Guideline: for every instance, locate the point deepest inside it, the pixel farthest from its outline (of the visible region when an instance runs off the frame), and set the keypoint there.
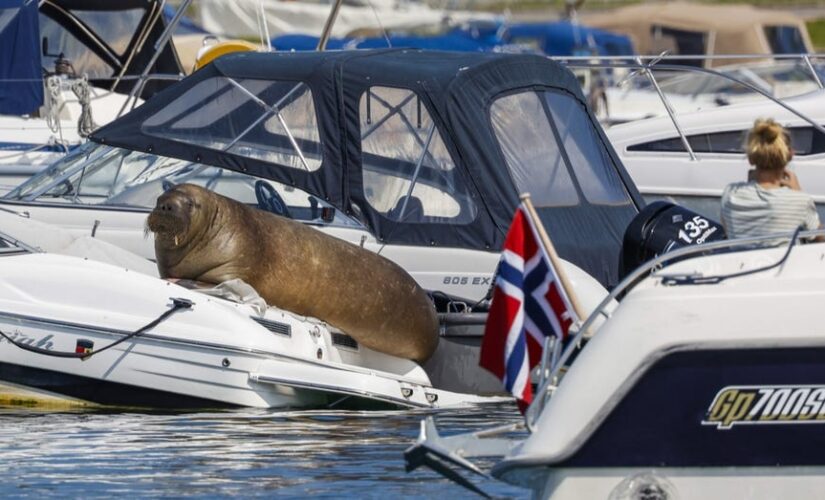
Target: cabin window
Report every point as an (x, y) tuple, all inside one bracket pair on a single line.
[(530, 149), (805, 140), (408, 173), (265, 120), (785, 40)]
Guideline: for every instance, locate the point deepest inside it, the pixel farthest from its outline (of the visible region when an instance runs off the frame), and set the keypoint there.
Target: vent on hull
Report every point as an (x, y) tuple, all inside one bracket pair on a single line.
[(274, 326), (344, 340)]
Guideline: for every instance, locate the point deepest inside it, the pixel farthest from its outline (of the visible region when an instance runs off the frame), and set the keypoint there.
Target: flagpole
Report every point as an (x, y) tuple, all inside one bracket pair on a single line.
[(554, 257)]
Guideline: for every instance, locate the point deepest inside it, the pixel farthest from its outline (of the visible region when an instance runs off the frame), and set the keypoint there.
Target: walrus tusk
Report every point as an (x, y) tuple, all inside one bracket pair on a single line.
[(296, 268)]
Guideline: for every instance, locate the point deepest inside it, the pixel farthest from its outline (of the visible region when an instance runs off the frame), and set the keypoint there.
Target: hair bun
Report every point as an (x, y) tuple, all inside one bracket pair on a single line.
[(767, 130)]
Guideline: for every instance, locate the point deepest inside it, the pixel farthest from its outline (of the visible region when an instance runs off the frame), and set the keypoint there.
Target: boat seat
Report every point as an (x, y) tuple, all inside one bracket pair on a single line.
[(413, 213)]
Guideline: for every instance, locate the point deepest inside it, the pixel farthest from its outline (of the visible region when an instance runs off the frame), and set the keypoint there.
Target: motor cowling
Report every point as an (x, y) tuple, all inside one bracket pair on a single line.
[(661, 227)]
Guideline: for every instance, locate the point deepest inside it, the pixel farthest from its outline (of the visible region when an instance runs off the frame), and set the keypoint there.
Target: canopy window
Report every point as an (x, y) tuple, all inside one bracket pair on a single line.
[(679, 42), (785, 40), (84, 61), (554, 152), (408, 173), (531, 151), (272, 121), (116, 31)]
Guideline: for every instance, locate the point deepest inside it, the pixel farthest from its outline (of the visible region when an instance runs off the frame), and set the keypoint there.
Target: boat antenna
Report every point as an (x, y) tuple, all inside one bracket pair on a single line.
[(327, 32), (263, 28), (380, 24)]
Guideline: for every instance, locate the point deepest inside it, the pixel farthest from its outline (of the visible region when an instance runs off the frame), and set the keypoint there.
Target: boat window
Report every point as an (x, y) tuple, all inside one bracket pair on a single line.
[(589, 159), (530, 150), (261, 119), (678, 42), (805, 140), (408, 173), (61, 41), (116, 29), (785, 40)]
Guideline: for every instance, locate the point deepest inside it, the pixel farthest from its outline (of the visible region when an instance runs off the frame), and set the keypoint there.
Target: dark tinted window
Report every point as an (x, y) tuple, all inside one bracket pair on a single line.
[(785, 40), (679, 42), (805, 142)]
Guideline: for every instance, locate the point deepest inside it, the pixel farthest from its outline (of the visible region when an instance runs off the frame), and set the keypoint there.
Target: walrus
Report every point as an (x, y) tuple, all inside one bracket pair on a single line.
[(203, 236)]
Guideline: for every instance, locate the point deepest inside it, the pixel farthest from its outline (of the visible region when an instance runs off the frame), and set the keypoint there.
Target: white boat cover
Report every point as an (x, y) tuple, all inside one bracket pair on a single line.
[(53, 239), (239, 18)]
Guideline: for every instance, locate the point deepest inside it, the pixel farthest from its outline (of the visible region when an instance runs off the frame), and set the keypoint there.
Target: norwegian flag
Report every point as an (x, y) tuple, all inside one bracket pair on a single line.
[(529, 304)]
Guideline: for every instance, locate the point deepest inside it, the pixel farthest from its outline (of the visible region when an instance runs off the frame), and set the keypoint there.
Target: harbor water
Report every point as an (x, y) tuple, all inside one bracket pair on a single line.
[(244, 453)]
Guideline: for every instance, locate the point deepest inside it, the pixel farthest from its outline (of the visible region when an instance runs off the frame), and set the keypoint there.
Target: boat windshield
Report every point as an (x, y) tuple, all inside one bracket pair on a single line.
[(780, 78), (95, 174)]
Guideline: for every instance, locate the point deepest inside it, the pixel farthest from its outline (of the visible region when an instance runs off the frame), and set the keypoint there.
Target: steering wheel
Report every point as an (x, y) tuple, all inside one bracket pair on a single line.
[(270, 200)]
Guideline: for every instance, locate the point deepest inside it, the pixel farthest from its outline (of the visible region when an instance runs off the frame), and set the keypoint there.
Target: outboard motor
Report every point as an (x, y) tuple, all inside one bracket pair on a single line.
[(661, 227)]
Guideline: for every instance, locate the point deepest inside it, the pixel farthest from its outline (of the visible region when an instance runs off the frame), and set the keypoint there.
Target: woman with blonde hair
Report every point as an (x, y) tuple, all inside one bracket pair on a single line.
[(771, 201)]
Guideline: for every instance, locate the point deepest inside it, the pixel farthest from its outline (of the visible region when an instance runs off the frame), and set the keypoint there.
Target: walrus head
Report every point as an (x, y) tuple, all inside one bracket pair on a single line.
[(175, 214)]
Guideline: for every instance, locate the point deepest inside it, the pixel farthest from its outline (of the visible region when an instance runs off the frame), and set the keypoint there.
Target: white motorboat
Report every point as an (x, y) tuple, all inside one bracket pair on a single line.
[(655, 154), (688, 89), (243, 18), (69, 67), (201, 351), (704, 381)]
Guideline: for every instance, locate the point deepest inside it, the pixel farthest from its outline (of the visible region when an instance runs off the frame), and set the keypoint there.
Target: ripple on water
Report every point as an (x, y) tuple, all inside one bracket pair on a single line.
[(244, 452)]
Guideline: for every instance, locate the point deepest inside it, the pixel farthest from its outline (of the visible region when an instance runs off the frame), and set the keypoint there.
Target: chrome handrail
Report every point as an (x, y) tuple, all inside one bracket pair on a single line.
[(655, 63), (549, 383), (691, 57)]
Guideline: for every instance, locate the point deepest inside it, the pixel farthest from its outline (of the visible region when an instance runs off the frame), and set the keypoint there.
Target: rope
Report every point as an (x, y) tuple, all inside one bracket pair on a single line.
[(177, 305), (53, 103), (85, 123)]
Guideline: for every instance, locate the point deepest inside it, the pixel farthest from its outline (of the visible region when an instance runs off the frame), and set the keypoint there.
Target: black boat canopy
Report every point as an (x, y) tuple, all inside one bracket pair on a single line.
[(424, 147), (109, 41)]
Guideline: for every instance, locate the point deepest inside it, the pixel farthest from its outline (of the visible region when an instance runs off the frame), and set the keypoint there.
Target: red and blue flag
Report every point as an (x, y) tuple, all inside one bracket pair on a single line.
[(529, 304)]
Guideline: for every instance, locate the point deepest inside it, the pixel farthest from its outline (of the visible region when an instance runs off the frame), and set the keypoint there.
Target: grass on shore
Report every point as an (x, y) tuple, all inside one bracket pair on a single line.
[(816, 28)]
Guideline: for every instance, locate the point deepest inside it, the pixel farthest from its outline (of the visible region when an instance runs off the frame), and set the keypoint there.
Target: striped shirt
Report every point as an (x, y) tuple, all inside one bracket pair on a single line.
[(749, 210)]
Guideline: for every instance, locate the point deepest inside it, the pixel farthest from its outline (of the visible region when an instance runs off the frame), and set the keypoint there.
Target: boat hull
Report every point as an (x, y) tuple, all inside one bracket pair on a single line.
[(768, 483)]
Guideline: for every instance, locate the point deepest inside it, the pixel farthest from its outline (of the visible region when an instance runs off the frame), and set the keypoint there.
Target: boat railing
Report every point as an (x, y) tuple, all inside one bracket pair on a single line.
[(554, 362), (647, 65)]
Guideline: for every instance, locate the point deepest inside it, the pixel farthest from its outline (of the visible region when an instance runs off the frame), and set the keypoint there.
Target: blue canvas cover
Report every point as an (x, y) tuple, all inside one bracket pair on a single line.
[(454, 40), (186, 26), (564, 38), (560, 38), (21, 87)]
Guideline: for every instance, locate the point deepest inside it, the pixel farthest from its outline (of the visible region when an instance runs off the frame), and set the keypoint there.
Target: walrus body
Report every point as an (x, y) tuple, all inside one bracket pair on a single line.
[(203, 236)]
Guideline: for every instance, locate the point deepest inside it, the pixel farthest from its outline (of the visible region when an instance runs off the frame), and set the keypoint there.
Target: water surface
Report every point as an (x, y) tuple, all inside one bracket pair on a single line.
[(331, 454)]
